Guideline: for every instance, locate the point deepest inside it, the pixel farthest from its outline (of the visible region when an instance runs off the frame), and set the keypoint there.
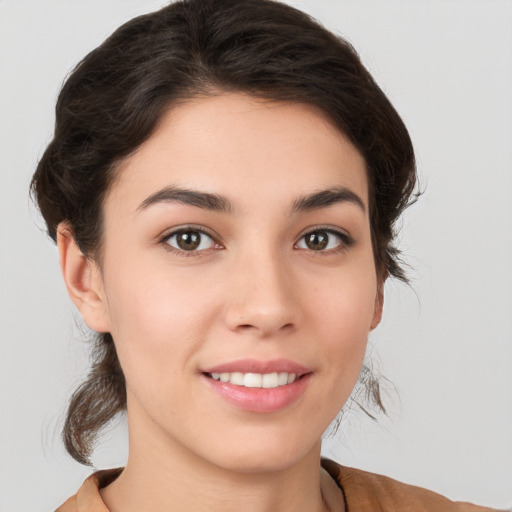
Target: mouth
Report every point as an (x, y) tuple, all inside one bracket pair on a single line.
[(255, 380), (259, 386)]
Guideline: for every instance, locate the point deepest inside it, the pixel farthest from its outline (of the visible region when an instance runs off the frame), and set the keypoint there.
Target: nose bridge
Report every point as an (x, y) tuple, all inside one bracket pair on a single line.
[(262, 297)]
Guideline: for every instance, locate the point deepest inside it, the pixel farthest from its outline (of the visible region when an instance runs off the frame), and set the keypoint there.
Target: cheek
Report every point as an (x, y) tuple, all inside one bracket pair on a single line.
[(157, 321), (344, 315), (152, 299), (344, 305)]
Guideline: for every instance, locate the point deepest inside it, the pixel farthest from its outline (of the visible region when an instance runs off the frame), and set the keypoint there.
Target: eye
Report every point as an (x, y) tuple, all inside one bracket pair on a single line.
[(323, 240), (190, 240)]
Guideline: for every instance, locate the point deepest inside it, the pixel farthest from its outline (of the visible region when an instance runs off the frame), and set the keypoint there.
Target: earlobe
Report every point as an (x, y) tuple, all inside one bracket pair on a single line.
[(83, 280), (378, 307)]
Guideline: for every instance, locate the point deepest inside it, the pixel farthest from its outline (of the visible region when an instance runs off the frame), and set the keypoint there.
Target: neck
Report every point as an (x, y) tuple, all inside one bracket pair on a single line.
[(162, 475)]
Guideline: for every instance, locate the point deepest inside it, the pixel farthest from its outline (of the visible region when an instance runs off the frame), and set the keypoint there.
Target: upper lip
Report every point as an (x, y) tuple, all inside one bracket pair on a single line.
[(259, 366)]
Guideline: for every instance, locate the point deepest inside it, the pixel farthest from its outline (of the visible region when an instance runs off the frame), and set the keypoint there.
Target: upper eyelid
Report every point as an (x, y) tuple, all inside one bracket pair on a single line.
[(165, 235), (329, 228)]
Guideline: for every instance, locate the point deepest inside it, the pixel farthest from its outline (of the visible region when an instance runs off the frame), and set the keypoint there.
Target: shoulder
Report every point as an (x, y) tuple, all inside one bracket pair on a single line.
[(88, 498), (370, 492), (69, 506)]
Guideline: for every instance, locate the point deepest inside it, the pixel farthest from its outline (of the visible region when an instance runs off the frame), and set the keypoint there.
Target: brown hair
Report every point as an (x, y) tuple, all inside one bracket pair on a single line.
[(114, 98)]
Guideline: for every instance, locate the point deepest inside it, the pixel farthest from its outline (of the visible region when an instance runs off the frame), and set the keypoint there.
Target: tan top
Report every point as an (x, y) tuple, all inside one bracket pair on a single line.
[(364, 492)]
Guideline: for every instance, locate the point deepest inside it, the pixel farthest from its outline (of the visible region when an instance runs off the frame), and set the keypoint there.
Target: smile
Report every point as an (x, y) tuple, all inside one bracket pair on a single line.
[(255, 380), (259, 386)]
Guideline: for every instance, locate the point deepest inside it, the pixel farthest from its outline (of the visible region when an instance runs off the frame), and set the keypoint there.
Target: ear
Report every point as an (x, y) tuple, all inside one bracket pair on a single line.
[(83, 280), (378, 307)]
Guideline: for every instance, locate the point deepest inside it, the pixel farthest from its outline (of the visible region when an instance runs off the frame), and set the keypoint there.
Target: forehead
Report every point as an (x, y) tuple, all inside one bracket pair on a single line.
[(244, 148)]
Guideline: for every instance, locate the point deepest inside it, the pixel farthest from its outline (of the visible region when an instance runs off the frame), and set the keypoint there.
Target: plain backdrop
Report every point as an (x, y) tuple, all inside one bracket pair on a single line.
[(445, 343)]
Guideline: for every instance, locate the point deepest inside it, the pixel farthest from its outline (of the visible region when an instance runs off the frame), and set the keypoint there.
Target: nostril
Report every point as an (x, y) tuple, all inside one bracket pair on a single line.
[(249, 327), (263, 316)]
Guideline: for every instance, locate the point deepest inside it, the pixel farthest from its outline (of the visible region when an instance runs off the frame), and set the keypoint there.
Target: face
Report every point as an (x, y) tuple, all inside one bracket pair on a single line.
[(237, 279)]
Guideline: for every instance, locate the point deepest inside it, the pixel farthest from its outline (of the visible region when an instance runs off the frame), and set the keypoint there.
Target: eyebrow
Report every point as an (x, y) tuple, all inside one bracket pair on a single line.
[(325, 198), (218, 203), (205, 200)]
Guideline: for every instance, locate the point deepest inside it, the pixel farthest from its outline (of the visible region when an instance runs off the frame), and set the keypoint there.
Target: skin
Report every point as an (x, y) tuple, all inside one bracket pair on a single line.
[(255, 289)]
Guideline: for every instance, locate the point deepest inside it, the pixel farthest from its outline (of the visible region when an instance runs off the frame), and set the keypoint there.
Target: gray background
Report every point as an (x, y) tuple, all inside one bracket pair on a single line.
[(446, 344)]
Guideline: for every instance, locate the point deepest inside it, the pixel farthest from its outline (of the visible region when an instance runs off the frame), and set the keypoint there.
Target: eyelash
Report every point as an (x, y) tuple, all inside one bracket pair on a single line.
[(345, 240), (164, 240)]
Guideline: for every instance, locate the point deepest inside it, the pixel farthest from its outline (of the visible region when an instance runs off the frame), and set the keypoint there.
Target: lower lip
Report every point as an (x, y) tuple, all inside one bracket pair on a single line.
[(263, 400)]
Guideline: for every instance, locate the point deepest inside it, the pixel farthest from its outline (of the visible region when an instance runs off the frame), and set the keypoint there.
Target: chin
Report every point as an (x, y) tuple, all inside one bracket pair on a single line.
[(271, 454)]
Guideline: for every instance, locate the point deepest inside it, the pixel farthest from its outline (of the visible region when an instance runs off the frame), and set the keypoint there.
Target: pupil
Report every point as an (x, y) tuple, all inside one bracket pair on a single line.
[(317, 241), (188, 240)]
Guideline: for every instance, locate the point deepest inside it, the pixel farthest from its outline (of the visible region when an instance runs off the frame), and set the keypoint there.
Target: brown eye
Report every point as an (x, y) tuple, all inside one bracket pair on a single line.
[(190, 240), (323, 240), (317, 241)]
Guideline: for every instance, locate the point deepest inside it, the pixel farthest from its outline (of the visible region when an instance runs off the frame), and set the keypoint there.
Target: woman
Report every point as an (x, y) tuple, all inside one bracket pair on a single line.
[(222, 186)]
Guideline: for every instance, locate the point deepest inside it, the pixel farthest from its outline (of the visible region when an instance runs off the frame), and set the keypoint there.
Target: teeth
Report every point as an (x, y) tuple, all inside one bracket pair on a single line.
[(237, 378), (252, 380), (282, 378), (256, 380), (269, 380)]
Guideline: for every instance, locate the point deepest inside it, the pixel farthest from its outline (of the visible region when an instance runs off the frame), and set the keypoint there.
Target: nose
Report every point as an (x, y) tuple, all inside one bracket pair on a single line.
[(263, 296)]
